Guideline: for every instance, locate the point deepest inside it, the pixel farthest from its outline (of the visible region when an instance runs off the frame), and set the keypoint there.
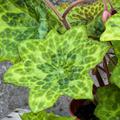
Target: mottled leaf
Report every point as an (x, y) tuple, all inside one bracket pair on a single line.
[(17, 25), (32, 7), (95, 28), (38, 10), (108, 107), (57, 66), (44, 116), (35, 116), (86, 12)]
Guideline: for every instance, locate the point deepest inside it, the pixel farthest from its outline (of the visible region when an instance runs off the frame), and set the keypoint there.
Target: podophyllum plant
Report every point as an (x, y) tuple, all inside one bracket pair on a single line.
[(53, 47)]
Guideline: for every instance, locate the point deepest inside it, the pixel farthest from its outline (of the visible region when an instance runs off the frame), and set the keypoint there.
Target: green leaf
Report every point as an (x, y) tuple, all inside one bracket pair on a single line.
[(86, 12), (35, 116), (115, 78), (38, 10), (112, 63), (58, 65), (81, 13), (116, 46), (16, 26), (95, 28), (112, 31), (57, 117), (32, 7), (116, 4), (44, 116), (108, 107), (29, 6)]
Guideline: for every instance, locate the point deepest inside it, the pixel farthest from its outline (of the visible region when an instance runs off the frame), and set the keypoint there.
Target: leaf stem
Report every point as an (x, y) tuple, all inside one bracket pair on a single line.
[(50, 5), (99, 78), (61, 17), (110, 4), (106, 67), (63, 20), (71, 7), (101, 68), (113, 62), (105, 5)]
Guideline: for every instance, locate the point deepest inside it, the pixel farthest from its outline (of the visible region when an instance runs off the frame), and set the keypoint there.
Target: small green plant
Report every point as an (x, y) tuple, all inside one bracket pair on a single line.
[(53, 48), (108, 103)]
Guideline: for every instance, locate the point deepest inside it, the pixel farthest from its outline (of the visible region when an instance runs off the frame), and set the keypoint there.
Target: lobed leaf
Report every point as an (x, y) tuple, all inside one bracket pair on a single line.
[(16, 26), (44, 116), (83, 12), (58, 65), (20, 20), (38, 10), (86, 12), (32, 7), (108, 107)]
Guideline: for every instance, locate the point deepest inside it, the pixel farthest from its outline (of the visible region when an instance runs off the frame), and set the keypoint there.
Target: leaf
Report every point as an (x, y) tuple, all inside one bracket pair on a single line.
[(29, 6), (34, 116), (116, 46), (58, 65), (115, 78), (108, 107), (57, 117), (14, 29), (112, 31), (16, 26), (38, 10), (112, 63), (44, 116), (32, 7), (85, 12), (116, 4), (112, 34), (95, 28)]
